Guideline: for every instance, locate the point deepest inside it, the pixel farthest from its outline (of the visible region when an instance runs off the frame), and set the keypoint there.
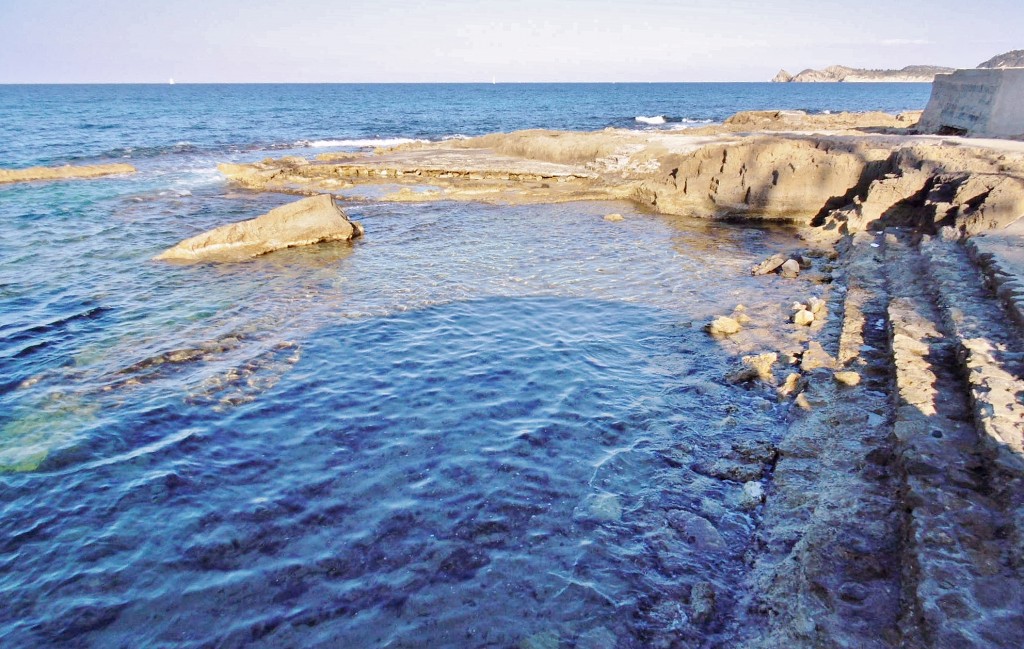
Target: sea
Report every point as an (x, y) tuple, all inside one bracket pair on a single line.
[(477, 426)]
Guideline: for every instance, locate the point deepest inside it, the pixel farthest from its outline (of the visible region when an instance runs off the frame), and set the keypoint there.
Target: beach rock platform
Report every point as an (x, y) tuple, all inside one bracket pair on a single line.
[(63, 173), (891, 512), (304, 222)]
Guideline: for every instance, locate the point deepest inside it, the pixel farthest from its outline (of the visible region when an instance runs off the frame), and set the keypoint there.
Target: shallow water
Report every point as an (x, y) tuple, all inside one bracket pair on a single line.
[(475, 427)]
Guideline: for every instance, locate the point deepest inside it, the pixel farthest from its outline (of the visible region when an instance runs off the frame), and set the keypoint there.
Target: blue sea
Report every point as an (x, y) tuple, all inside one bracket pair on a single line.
[(478, 426)]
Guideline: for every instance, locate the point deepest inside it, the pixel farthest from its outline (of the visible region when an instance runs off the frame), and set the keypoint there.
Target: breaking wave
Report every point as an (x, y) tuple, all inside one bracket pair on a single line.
[(394, 141), (655, 120)]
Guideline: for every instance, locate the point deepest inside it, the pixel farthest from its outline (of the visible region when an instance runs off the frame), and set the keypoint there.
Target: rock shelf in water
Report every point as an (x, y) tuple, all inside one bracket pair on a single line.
[(304, 222), (63, 173), (851, 172)]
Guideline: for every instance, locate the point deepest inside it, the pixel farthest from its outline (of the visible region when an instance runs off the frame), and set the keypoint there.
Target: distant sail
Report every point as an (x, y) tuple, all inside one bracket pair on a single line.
[(170, 81)]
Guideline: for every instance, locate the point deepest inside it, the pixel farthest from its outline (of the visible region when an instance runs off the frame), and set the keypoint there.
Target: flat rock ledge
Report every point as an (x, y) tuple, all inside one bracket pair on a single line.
[(63, 173), (304, 222)]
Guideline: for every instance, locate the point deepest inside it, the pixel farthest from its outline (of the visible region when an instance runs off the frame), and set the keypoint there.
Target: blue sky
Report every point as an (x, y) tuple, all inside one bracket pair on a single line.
[(76, 41)]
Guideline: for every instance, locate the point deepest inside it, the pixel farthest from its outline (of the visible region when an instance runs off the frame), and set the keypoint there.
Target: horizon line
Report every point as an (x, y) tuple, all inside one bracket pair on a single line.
[(415, 83)]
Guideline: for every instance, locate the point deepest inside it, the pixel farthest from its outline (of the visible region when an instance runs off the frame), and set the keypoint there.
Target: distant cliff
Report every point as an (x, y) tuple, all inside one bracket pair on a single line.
[(840, 73), (1014, 59)]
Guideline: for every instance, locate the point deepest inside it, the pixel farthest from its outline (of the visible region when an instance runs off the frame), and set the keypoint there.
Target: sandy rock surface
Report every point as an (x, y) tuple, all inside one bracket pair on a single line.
[(307, 221), (63, 173)]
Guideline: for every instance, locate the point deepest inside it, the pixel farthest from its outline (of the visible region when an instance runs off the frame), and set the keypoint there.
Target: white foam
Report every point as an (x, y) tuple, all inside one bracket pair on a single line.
[(690, 123), (657, 119), (394, 141)]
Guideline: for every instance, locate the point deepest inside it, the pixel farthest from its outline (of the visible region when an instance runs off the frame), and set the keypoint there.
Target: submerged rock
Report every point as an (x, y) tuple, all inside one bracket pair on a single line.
[(545, 640), (599, 507), (702, 602), (304, 222), (752, 495), (614, 218), (755, 368)]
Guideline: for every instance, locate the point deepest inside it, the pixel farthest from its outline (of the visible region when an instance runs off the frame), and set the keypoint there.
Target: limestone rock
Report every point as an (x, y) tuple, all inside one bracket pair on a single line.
[(697, 531), (723, 326), (817, 306), (847, 378), (815, 357), (755, 368), (304, 222), (752, 495), (763, 178), (782, 77), (791, 385), (63, 173), (614, 218), (791, 269), (769, 265), (803, 317)]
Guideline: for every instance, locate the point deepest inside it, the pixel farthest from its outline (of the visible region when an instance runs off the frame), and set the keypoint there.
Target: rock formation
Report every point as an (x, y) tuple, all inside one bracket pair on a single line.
[(987, 102), (63, 173), (307, 221), (841, 73), (847, 172), (1014, 59)]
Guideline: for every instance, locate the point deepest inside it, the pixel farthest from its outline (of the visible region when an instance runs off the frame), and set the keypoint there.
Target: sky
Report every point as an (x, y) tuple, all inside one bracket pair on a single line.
[(313, 41)]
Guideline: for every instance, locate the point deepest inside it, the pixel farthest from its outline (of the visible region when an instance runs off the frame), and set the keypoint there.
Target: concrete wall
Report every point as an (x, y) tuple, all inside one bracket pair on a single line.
[(978, 102)]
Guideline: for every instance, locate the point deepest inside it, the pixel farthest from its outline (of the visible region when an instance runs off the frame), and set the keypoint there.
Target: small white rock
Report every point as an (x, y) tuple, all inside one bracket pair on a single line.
[(752, 496), (803, 317)]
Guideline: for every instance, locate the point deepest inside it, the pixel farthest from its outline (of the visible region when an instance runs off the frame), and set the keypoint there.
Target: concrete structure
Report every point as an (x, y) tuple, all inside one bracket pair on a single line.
[(976, 102)]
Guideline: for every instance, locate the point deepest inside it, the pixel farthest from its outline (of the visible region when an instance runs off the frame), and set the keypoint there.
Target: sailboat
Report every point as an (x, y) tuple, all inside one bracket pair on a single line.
[(494, 80), (170, 81)]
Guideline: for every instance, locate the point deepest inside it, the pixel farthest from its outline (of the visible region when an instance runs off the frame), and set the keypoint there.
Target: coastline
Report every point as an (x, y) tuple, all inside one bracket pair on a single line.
[(893, 505)]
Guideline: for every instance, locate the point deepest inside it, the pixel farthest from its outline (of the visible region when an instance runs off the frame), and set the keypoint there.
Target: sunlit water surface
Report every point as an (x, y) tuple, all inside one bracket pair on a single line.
[(478, 426)]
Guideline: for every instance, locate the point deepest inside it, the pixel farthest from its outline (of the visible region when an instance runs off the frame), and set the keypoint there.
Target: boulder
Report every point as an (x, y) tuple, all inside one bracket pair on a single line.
[(803, 317), (614, 218), (304, 222), (769, 265), (723, 326), (791, 269)]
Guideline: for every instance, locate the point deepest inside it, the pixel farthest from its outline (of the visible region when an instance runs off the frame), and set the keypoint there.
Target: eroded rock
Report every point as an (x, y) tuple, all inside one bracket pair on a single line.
[(723, 326), (790, 269), (304, 222), (63, 173)]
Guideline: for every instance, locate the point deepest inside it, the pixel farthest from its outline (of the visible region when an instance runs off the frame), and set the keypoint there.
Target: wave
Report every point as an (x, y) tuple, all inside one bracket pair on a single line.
[(394, 141), (677, 122)]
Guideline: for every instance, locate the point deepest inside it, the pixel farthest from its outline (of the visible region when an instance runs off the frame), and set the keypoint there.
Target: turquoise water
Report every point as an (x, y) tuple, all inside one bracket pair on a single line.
[(477, 426)]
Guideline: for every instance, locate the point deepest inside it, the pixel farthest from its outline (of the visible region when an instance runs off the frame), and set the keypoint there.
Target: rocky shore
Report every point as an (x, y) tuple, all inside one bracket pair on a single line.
[(892, 512)]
